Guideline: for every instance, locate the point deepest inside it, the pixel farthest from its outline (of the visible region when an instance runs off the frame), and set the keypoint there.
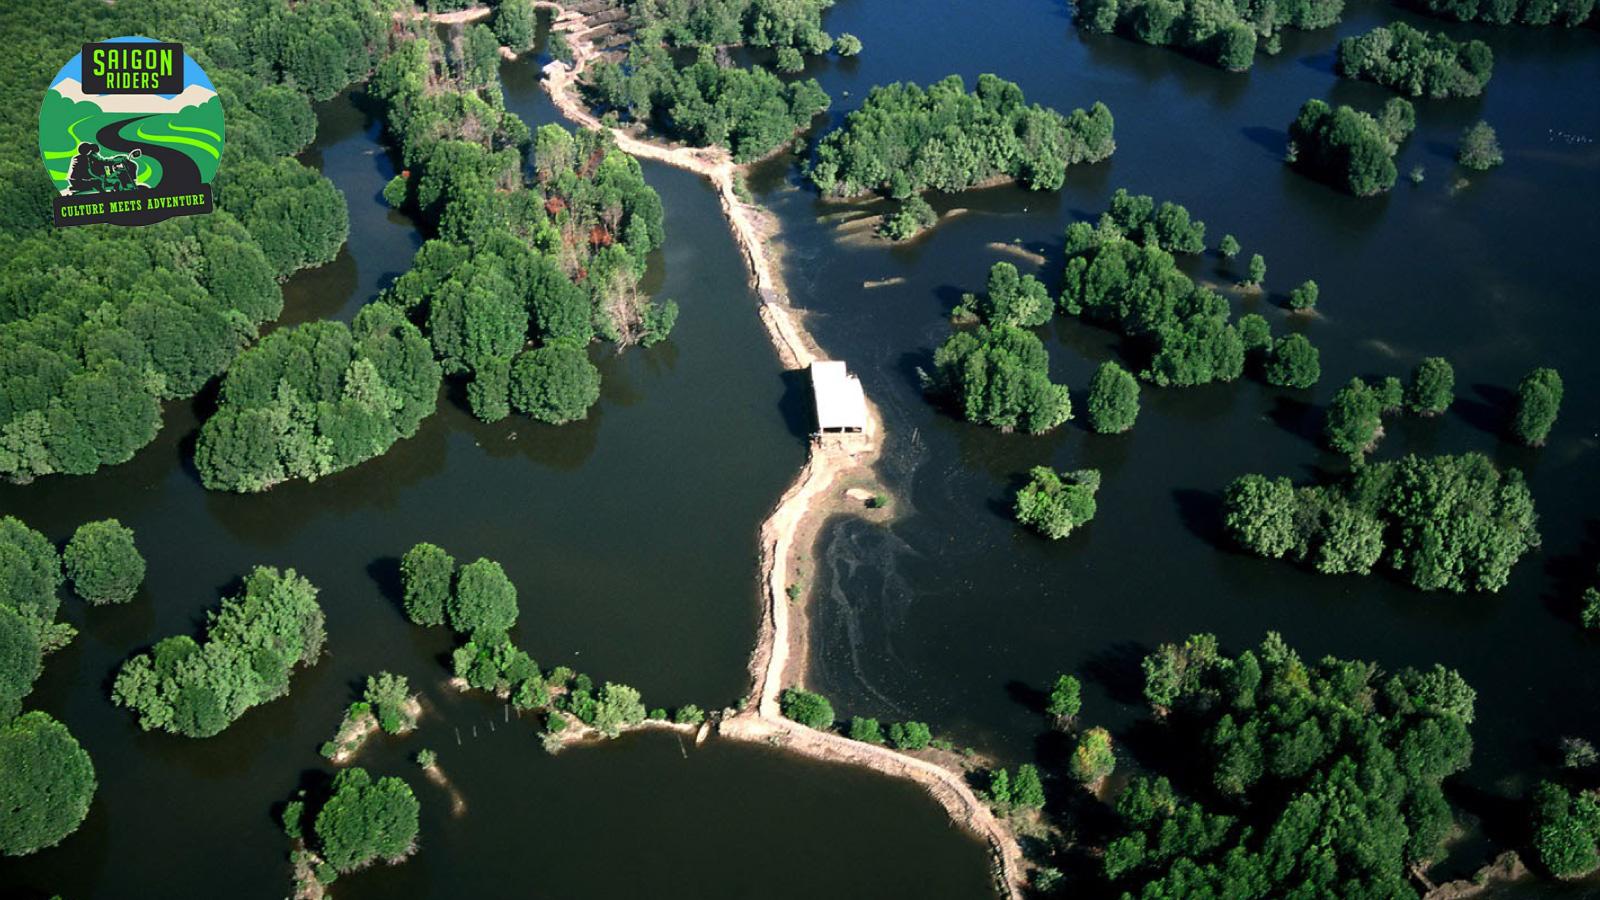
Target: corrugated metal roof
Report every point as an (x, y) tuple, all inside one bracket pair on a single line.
[(841, 404)]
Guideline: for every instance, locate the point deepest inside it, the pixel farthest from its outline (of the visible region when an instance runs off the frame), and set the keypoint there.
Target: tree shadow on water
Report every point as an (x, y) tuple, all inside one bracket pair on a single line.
[(1201, 512), (1299, 418), (1569, 574), (1486, 408), (1274, 141), (385, 572), (1027, 696), (1119, 670)]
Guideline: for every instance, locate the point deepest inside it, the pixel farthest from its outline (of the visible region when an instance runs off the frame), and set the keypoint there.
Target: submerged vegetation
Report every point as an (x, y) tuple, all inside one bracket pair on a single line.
[(1453, 523), (1324, 779), (253, 643), (905, 139)]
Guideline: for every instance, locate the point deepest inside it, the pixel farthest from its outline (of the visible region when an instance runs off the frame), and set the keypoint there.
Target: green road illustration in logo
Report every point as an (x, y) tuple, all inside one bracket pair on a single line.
[(131, 134)]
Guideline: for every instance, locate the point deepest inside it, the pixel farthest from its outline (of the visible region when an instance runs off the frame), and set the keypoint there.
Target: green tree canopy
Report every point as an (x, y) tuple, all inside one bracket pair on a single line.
[(253, 643), (366, 820), (1354, 420), (1054, 504), (1480, 147), (1417, 63), (809, 709), (1348, 148), (1432, 387), (555, 384), (1538, 403), (1093, 758), (1324, 778), (1113, 399), (484, 604), (47, 782), (103, 563), (1000, 376), (1452, 523), (1293, 363), (426, 575), (943, 137)]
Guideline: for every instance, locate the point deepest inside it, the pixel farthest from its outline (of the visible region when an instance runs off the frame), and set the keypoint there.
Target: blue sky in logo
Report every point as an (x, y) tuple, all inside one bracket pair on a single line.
[(192, 73)]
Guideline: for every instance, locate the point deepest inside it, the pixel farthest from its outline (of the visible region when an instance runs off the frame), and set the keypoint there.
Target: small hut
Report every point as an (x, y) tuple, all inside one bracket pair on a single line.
[(841, 404)]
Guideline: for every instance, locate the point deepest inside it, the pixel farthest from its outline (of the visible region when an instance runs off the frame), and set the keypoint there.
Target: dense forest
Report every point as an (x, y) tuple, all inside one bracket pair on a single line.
[(1348, 148), (1563, 13), (778, 24), (556, 258), (318, 398), (906, 138), (1453, 523), (1223, 34), (98, 325), (1316, 780), (1417, 63), (48, 779)]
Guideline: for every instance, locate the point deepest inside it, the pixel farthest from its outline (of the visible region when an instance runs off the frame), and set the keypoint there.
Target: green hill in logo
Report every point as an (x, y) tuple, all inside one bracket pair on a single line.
[(128, 156)]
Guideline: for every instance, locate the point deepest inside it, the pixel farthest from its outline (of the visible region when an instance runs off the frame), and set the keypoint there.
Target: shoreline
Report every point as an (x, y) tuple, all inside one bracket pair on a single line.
[(782, 648)]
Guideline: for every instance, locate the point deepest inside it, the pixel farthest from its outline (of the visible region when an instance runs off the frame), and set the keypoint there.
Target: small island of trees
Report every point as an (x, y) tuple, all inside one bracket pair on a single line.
[(1223, 35), (1538, 403), (750, 111), (387, 704), (1453, 523), (479, 602), (1315, 779), (253, 643), (318, 398), (1348, 148), (1122, 273), (905, 139), (1054, 504), (1000, 376), (104, 564), (1417, 63), (361, 821)]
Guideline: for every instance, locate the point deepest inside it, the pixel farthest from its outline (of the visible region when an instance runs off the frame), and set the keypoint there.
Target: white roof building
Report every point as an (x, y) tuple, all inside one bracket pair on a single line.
[(841, 404)]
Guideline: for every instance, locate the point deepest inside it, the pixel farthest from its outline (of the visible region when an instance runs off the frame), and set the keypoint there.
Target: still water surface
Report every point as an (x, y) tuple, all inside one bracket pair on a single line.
[(956, 616), (631, 538)]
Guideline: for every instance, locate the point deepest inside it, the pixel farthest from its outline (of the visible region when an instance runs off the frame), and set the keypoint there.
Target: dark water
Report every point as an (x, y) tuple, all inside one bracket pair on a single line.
[(382, 241), (632, 539), (954, 615)]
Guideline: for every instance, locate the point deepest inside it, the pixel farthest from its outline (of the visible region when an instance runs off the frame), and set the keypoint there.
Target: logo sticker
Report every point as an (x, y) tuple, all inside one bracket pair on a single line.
[(131, 134)]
